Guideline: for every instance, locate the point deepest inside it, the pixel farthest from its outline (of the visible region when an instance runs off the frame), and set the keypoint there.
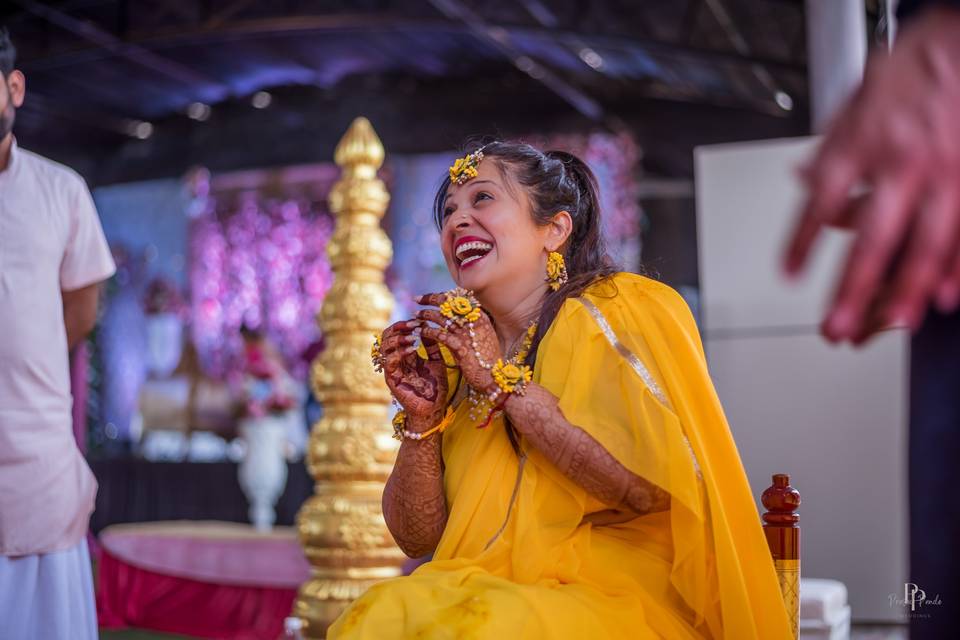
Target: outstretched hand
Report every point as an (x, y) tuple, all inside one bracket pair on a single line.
[(470, 354), (420, 386), (896, 138)]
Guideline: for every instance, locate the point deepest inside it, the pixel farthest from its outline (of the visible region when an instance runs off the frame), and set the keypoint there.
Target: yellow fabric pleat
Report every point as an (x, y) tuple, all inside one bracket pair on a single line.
[(700, 570)]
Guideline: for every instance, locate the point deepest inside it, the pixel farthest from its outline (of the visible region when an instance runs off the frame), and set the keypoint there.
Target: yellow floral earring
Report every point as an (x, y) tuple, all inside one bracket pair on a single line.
[(556, 270)]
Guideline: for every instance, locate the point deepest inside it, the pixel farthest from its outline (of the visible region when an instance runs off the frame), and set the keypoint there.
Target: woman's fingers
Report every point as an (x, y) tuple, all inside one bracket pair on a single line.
[(433, 350), (455, 343), (400, 371), (431, 299), (402, 327), (400, 336), (434, 316), (396, 341), (400, 359)]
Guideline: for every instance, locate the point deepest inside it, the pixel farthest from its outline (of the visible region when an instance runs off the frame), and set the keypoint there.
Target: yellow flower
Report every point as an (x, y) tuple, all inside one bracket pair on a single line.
[(556, 270), (511, 372), (461, 306), (399, 424), (509, 375), (465, 168), (553, 269), (456, 169), (375, 355)]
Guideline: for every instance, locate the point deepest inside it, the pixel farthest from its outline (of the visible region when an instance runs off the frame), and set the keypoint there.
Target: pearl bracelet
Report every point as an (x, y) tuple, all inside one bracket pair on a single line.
[(401, 433)]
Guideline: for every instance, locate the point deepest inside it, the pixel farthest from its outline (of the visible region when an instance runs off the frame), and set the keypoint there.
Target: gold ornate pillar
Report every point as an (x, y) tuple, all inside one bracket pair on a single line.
[(351, 452)]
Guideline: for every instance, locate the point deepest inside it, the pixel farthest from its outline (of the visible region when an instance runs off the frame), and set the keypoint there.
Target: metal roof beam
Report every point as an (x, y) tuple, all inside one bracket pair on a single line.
[(213, 90)]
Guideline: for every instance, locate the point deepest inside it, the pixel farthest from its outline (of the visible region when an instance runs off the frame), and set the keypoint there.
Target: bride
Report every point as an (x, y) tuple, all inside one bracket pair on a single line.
[(564, 455)]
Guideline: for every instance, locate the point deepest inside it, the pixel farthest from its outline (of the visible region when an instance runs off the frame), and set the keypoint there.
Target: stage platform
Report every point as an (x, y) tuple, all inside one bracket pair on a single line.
[(202, 579)]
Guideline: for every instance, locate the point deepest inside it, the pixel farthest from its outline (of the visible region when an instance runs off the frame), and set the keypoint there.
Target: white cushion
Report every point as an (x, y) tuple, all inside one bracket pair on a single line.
[(822, 600), (824, 613)]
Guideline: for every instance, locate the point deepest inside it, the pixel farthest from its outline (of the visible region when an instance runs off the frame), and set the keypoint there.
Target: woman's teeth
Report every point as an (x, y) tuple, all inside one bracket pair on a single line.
[(477, 248)]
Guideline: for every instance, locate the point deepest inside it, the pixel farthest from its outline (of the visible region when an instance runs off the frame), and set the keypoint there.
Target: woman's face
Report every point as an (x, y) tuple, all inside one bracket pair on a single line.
[(489, 238)]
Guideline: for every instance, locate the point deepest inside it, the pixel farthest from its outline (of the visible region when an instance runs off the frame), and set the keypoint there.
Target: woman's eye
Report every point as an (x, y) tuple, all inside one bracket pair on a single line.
[(481, 195), (447, 212)]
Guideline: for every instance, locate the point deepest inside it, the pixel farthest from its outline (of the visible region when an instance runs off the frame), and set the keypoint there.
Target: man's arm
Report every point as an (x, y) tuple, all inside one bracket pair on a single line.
[(80, 312), (897, 137)]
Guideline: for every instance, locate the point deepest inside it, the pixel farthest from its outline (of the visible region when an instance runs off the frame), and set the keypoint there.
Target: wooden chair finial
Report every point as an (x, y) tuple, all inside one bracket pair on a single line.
[(781, 525)]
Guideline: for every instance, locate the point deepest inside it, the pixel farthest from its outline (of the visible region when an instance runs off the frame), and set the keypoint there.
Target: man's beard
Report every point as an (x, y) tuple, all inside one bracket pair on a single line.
[(7, 116)]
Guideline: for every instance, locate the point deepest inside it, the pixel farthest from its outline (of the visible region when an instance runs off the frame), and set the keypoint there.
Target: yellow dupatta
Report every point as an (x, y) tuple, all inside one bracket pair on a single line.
[(516, 559)]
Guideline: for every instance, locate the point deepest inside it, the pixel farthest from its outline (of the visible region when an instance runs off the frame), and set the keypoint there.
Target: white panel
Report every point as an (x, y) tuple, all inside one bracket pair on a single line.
[(834, 420), (747, 197)]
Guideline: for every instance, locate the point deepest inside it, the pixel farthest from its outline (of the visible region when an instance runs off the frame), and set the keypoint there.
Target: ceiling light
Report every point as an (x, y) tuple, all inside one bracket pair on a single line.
[(139, 129), (525, 64), (593, 59), (530, 67), (784, 101), (198, 111), (261, 100)]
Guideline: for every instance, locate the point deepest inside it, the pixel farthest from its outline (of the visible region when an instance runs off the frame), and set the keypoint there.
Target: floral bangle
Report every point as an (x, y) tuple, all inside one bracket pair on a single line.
[(400, 431), (511, 377)]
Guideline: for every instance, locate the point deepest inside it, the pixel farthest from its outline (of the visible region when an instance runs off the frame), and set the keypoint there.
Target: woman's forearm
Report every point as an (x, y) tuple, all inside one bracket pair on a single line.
[(579, 456), (414, 505)]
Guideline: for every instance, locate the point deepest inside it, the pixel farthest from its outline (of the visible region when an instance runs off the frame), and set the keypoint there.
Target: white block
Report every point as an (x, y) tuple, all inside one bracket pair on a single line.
[(747, 198), (822, 601), (835, 421)]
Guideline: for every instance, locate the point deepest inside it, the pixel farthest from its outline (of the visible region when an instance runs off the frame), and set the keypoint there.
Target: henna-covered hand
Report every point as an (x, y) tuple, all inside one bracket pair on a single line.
[(457, 340), (414, 505), (581, 458), (420, 386)]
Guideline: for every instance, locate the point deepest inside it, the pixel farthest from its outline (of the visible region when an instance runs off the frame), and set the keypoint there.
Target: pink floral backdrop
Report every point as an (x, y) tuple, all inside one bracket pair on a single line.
[(260, 262)]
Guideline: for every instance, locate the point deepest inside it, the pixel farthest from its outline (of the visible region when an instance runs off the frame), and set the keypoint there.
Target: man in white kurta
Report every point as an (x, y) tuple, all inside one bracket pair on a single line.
[(52, 256)]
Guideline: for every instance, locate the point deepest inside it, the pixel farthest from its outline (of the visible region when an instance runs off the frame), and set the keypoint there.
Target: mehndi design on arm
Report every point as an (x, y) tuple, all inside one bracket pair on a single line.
[(579, 456)]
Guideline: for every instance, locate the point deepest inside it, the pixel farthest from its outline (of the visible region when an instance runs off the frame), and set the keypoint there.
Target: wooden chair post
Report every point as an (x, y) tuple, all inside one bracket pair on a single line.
[(781, 525)]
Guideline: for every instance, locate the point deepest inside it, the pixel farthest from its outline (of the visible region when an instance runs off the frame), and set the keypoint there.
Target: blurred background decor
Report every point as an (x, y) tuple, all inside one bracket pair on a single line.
[(207, 130)]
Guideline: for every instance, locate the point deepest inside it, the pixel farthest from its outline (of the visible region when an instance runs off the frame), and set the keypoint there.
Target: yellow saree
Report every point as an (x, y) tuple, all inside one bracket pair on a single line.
[(516, 559)]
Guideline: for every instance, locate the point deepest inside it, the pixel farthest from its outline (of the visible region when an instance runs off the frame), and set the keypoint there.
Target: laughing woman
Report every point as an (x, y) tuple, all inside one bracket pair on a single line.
[(565, 458)]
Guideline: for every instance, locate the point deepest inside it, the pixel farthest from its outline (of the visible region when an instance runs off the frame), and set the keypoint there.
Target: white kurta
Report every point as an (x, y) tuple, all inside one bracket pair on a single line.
[(50, 241)]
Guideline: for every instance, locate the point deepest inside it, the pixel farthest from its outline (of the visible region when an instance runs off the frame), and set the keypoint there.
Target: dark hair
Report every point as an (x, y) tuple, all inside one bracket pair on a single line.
[(553, 181), (8, 53)]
